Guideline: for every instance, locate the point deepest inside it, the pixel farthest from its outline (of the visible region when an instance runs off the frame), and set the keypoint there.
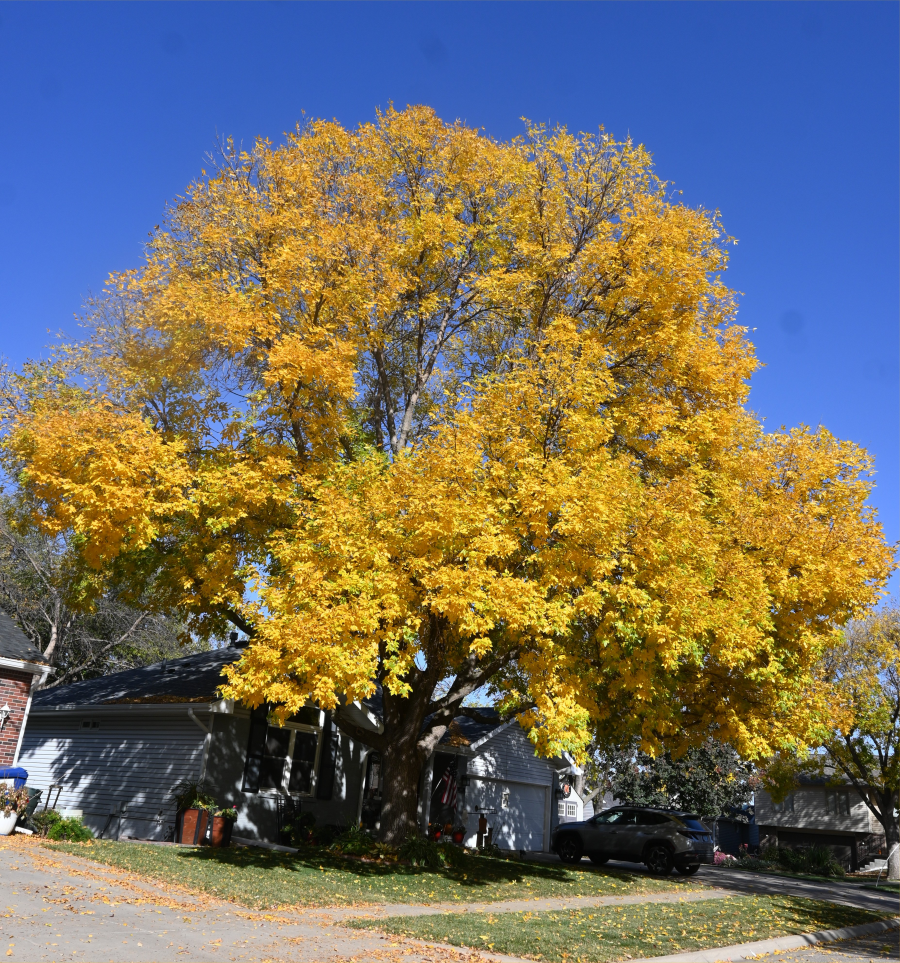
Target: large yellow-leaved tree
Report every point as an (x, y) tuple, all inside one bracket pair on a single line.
[(424, 411)]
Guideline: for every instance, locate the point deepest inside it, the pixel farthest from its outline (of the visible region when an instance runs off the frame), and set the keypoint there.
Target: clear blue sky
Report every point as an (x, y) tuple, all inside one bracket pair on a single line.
[(784, 116)]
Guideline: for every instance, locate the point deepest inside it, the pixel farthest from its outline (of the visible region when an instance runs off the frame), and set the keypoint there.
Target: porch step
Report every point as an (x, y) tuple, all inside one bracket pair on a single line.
[(873, 866)]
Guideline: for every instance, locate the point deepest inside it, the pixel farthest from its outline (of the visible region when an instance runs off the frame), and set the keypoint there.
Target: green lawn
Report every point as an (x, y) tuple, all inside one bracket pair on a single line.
[(593, 935), (261, 878)]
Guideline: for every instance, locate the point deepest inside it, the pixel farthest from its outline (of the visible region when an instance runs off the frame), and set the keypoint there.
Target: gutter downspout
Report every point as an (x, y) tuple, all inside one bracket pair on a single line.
[(207, 740), (37, 680)]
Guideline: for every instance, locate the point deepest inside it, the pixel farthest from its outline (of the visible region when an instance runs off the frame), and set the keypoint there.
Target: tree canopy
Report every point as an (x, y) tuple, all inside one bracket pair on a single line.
[(859, 742), (710, 779), (41, 588), (408, 404)]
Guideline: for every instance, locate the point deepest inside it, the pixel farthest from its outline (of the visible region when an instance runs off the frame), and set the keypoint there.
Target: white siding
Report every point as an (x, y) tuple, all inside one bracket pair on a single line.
[(132, 758)]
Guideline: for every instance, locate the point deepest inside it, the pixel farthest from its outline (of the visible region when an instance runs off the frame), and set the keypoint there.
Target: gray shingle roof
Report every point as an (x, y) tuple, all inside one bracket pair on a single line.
[(14, 644), (193, 678)]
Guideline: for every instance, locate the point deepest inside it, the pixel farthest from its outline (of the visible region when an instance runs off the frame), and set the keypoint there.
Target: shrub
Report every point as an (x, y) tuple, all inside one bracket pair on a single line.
[(811, 860), (70, 830), (420, 851), (42, 821), (49, 823), (354, 841), (303, 830)]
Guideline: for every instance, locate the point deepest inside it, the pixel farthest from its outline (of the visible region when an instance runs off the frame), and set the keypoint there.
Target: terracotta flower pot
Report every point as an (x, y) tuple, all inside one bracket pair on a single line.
[(458, 836), (193, 826), (221, 831)]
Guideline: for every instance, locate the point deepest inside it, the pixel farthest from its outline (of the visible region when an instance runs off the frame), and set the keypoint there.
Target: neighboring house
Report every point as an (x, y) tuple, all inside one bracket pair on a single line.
[(820, 813), (117, 745), (22, 669)]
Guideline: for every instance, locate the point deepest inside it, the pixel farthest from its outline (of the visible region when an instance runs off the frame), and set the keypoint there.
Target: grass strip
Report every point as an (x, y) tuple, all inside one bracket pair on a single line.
[(597, 935), (264, 879)]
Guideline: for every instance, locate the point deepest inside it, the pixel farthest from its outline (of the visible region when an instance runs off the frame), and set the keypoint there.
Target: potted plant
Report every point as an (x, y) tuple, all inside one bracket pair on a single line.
[(13, 802), (222, 825), (193, 806), (459, 834)]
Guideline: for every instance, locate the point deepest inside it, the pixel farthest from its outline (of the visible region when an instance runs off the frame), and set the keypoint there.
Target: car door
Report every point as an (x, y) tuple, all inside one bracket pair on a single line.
[(600, 833), (642, 830), (620, 833)]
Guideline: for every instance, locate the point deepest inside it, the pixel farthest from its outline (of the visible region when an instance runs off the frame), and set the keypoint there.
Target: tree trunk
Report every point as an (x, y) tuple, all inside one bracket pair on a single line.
[(403, 755), (891, 837), (401, 769)]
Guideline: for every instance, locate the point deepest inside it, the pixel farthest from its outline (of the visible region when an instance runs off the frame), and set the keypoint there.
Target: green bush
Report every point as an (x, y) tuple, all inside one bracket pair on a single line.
[(68, 829), (420, 851), (811, 860), (303, 830), (354, 841), (808, 860)]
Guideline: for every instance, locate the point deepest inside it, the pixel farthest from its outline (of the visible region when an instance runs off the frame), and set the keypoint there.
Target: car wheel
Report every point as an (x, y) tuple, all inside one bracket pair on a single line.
[(688, 870), (569, 849), (598, 860), (659, 860)]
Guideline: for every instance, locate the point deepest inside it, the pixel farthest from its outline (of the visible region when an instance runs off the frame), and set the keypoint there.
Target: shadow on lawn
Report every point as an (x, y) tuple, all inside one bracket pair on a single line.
[(474, 871)]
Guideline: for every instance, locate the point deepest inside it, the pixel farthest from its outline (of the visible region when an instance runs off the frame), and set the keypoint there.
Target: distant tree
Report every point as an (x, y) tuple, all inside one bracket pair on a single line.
[(710, 779), (40, 588), (861, 676)]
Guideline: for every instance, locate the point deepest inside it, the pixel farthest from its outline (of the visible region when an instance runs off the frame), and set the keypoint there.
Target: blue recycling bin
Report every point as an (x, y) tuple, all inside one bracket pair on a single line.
[(16, 773)]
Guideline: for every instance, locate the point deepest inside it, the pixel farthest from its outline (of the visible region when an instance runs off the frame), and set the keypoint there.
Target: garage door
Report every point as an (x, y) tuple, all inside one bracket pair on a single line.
[(517, 817)]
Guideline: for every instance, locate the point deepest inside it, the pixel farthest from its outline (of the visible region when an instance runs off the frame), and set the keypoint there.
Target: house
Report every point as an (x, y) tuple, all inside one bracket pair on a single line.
[(826, 812), (115, 746), (22, 670)]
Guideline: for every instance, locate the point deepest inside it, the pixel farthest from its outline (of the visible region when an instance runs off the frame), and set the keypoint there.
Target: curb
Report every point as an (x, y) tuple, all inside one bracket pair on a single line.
[(747, 951)]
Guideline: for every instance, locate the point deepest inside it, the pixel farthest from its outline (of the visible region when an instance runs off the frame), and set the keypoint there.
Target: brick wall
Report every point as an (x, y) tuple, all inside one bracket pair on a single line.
[(14, 688)]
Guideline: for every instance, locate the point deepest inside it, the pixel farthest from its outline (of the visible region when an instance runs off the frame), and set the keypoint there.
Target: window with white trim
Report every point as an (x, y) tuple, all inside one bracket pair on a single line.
[(571, 809), (283, 758)]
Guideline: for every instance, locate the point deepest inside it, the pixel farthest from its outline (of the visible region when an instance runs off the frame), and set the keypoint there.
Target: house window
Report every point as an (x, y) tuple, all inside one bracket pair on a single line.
[(281, 759), (571, 809), (786, 805), (837, 803), (561, 809)]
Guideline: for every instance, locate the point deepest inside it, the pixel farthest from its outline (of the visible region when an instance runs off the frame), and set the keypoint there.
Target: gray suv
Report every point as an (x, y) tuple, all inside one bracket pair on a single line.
[(661, 838)]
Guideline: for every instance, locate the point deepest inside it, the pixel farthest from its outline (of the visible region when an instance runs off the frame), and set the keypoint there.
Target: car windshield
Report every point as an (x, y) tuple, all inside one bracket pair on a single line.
[(693, 822)]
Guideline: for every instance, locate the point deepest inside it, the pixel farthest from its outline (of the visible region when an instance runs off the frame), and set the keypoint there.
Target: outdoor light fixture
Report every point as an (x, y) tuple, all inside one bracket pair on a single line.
[(5, 713)]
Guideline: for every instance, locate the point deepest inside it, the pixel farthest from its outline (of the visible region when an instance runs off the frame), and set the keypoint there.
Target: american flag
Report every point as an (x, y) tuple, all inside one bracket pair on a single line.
[(448, 787)]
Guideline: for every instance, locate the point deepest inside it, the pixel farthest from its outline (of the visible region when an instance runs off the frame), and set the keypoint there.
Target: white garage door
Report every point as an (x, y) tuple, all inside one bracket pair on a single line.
[(518, 817)]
